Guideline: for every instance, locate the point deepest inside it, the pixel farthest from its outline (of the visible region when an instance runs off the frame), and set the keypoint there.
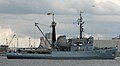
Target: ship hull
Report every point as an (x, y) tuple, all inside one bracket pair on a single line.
[(95, 54)]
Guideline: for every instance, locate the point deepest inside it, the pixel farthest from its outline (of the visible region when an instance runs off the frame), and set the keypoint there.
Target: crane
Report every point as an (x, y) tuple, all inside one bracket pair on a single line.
[(11, 40), (36, 24)]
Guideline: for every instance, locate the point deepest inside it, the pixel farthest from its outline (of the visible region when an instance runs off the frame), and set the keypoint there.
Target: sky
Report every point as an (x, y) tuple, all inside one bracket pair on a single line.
[(101, 17)]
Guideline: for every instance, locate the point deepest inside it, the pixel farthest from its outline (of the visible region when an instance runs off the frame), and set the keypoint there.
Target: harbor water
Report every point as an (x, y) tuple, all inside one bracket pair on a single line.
[(61, 62)]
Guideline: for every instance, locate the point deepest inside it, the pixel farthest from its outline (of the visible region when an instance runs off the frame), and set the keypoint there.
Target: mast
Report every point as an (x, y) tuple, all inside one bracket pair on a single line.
[(53, 25), (80, 22)]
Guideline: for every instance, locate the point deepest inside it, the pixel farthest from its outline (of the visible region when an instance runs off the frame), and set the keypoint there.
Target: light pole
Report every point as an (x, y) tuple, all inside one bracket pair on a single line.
[(29, 41), (17, 42)]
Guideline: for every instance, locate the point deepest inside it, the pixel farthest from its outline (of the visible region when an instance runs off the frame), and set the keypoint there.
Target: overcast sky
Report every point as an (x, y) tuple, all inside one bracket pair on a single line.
[(102, 18)]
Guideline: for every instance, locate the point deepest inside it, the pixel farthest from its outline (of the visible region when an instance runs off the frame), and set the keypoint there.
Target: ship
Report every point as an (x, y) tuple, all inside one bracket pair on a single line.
[(63, 48)]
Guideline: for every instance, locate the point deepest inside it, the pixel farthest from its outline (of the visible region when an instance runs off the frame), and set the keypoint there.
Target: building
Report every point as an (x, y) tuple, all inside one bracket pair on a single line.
[(107, 43), (3, 49)]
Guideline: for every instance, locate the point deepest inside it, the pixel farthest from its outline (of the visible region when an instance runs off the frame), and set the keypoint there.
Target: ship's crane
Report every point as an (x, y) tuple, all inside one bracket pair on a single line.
[(11, 40), (36, 24)]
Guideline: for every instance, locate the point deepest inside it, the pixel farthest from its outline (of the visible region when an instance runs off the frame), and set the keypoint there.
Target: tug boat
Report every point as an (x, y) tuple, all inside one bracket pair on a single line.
[(62, 48)]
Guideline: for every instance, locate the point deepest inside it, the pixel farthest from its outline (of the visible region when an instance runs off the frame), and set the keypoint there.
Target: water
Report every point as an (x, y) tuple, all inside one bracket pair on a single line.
[(47, 62)]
